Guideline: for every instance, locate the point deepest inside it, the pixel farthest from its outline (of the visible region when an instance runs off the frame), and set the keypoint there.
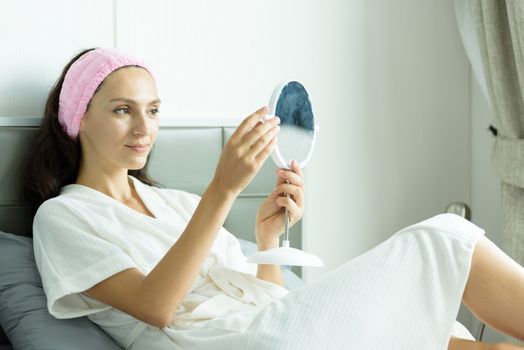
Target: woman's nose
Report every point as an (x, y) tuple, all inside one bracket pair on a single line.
[(143, 124)]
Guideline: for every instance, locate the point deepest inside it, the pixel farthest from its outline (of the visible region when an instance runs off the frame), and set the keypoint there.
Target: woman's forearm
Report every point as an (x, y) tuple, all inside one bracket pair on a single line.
[(270, 273), (165, 286)]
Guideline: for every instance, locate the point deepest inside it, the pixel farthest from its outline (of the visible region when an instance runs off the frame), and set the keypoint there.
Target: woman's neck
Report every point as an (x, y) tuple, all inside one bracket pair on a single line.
[(116, 185)]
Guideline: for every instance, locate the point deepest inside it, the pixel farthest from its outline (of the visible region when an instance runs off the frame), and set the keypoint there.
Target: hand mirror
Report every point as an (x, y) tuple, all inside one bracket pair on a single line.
[(296, 140)]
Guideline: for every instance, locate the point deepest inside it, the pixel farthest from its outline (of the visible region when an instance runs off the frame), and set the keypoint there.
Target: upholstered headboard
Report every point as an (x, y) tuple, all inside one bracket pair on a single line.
[(184, 157)]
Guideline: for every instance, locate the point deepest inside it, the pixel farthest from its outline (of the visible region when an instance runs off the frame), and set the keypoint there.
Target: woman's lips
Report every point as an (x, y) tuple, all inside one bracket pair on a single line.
[(139, 148)]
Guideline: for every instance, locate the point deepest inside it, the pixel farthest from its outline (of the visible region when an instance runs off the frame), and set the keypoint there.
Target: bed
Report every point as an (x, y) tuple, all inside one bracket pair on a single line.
[(184, 157)]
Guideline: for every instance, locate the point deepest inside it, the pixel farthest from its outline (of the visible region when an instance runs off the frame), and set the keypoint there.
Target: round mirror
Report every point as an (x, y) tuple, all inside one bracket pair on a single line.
[(291, 103), (296, 140)]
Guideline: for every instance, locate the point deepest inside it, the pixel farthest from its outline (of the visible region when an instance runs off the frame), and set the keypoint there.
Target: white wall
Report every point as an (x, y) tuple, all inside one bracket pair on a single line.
[(408, 152), (37, 38), (390, 83)]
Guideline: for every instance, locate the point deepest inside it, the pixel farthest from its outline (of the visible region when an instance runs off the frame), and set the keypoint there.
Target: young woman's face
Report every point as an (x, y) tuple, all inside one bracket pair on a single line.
[(121, 123)]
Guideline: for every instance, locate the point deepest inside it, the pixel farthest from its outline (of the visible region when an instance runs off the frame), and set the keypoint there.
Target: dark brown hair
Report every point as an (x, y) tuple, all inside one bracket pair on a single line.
[(54, 158)]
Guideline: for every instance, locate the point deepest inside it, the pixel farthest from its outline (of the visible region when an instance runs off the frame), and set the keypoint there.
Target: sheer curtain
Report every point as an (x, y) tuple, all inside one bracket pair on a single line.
[(493, 35)]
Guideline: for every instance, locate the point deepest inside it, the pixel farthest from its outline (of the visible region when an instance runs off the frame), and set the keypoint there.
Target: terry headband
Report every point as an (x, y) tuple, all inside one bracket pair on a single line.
[(83, 78)]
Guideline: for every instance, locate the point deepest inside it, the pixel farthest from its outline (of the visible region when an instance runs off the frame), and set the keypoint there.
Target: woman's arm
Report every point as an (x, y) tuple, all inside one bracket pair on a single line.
[(270, 273), (155, 298)]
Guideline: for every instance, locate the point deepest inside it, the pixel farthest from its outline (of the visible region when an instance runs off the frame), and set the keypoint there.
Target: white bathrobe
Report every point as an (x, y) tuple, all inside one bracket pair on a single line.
[(403, 294)]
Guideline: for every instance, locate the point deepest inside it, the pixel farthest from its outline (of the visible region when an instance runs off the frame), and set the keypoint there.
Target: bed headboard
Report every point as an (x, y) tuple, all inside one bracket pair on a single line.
[(184, 157)]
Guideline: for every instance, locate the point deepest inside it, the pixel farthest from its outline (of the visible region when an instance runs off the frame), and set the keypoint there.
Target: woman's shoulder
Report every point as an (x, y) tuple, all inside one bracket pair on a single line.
[(54, 217), (68, 194), (70, 204), (52, 204)]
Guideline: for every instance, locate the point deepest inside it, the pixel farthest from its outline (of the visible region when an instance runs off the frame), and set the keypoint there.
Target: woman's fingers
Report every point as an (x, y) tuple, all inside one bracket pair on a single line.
[(297, 169), (296, 193), (295, 177), (265, 144), (240, 159), (253, 136), (259, 135), (295, 212), (249, 123), (294, 185), (252, 127)]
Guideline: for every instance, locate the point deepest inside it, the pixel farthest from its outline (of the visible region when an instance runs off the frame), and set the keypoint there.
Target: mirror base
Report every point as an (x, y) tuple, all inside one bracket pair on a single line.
[(285, 256)]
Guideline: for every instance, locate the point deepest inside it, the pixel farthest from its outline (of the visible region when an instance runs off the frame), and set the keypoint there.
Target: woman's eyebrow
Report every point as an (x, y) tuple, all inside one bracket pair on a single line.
[(128, 100)]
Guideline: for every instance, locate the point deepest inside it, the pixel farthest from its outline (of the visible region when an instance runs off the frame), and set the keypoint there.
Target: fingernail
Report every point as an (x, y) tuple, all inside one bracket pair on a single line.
[(278, 120)]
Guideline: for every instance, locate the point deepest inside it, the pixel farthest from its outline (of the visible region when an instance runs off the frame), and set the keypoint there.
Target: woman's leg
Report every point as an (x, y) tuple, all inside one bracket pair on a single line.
[(495, 289), (462, 344)]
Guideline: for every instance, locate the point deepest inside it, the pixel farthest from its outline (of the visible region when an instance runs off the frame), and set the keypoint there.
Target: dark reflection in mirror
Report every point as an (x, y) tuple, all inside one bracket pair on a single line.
[(294, 106), (296, 122)]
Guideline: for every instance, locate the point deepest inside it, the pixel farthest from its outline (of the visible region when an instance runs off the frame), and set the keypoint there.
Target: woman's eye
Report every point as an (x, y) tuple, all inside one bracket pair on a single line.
[(154, 111), (122, 110)]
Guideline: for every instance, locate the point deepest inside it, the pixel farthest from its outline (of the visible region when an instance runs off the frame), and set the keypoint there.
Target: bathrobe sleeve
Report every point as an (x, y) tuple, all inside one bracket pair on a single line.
[(227, 247), (71, 258)]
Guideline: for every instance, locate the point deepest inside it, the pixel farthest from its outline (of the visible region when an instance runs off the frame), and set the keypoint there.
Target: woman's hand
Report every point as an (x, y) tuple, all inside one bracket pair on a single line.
[(270, 217), (245, 152)]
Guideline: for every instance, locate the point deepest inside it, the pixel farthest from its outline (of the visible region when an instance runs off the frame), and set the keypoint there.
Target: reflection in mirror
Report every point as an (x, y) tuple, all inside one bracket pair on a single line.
[(294, 143), (297, 125), (294, 108)]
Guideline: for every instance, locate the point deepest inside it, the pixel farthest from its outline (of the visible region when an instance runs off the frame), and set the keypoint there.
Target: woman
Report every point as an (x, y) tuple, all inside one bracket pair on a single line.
[(156, 270)]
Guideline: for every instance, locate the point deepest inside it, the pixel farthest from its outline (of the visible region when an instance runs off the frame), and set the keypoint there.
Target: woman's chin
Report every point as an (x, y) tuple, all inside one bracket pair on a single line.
[(137, 165)]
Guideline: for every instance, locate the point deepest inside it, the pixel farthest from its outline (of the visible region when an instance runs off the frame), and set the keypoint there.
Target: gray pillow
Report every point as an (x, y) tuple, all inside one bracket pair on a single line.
[(23, 311)]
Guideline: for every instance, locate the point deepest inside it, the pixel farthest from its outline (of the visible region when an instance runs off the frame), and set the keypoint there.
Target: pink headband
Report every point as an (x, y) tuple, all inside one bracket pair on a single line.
[(83, 78)]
